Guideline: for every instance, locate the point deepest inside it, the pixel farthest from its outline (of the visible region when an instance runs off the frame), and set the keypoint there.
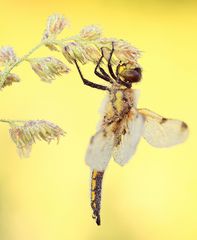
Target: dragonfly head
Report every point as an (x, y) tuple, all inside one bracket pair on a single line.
[(130, 74)]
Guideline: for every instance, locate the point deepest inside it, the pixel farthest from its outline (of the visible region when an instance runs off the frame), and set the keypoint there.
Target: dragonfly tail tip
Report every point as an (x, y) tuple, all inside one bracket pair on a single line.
[(98, 220)]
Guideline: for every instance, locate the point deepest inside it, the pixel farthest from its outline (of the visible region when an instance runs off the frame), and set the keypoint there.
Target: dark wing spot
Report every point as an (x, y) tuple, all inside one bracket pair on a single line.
[(124, 132), (183, 126), (163, 120)]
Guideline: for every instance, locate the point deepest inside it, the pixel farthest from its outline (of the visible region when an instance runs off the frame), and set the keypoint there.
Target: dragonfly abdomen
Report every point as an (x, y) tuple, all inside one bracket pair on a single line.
[(96, 188)]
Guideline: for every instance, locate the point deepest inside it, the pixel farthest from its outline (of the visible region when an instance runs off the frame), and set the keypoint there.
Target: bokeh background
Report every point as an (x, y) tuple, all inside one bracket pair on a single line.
[(154, 197)]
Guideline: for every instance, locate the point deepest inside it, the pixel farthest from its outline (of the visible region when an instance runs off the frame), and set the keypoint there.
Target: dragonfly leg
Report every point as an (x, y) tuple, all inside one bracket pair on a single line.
[(102, 74), (110, 65), (89, 83)]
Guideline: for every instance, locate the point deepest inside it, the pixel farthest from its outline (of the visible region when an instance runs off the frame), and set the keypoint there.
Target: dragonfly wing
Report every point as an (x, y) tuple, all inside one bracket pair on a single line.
[(100, 150), (129, 141), (163, 132)]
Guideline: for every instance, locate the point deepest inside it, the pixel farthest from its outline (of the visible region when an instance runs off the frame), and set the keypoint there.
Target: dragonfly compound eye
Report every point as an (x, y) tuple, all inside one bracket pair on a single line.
[(132, 75)]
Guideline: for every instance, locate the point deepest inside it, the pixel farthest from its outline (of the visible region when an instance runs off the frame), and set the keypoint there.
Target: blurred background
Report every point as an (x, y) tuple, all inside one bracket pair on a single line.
[(47, 196)]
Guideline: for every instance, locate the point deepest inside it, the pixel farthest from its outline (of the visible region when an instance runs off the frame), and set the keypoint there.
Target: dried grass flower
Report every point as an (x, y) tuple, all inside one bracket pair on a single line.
[(92, 53), (91, 32), (89, 50), (26, 134), (10, 79), (48, 68), (55, 25), (7, 56), (74, 51), (125, 52), (84, 47)]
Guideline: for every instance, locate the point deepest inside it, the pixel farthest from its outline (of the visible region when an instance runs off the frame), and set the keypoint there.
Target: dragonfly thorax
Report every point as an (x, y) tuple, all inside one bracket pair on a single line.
[(121, 103)]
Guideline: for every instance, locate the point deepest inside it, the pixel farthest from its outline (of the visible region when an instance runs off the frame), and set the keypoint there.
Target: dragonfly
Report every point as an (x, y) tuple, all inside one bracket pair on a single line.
[(123, 124)]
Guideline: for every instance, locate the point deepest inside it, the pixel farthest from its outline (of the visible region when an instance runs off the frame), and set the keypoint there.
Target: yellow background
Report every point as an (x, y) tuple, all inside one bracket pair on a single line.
[(154, 197)]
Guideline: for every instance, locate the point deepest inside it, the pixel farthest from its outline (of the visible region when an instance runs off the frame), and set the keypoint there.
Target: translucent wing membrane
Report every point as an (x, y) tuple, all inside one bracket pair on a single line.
[(163, 132), (100, 150), (129, 141)]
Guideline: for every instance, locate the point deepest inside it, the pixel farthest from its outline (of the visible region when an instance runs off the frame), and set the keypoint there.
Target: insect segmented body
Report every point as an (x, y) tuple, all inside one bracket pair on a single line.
[(123, 124), (96, 187)]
